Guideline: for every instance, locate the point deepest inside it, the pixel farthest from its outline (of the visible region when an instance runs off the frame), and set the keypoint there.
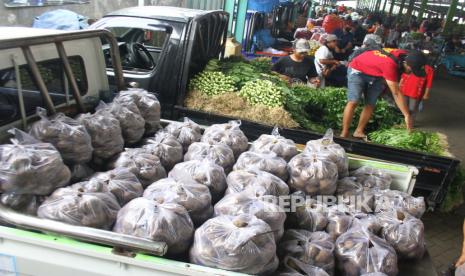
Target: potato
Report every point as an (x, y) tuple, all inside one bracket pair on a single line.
[(166, 147), (355, 195), (219, 153), (268, 162), (310, 215), (187, 132), (80, 172), (391, 199), (284, 148), (240, 243), (256, 182), (339, 221), (229, 134), (372, 178), (25, 204), (164, 222), (129, 117)]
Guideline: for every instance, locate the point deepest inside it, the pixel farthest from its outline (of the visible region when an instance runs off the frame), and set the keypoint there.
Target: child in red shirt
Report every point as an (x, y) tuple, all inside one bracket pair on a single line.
[(416, 89)]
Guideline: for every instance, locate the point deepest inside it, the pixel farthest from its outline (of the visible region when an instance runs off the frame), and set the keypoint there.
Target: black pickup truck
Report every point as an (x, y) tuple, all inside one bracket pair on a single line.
[(162, 47)]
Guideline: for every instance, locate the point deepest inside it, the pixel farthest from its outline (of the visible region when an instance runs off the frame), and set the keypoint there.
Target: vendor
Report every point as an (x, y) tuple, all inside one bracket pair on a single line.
[(368, 70), (298, 66), (326, 65)]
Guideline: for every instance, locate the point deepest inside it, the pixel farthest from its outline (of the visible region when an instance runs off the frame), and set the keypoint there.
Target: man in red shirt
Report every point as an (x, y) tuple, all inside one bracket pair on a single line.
[(415, 86), (368, 71)]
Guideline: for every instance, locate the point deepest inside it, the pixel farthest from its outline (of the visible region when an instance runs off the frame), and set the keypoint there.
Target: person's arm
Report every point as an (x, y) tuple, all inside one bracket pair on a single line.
[(429, 82), (329, 61), (461, 259), (400, 102)]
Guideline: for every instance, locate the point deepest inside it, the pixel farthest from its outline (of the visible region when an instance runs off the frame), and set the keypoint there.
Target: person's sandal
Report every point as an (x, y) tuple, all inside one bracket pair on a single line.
[(362, 138)]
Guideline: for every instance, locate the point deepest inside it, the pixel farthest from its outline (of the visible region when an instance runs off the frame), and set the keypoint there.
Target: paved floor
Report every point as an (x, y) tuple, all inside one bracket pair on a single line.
[(445, 112)]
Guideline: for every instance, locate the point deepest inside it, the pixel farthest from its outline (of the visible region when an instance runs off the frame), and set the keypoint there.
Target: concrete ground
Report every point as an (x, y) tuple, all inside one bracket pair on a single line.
[(445, 113)]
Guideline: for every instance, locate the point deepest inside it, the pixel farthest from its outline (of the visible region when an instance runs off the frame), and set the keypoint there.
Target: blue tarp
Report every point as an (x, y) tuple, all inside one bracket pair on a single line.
[(60, 20)]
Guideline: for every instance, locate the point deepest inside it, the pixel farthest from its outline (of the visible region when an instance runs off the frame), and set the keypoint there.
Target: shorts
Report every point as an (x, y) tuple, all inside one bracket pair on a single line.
[(360, 84)]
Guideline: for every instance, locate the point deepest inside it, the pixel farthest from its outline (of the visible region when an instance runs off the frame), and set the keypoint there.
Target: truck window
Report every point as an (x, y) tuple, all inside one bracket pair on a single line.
[(140, 48), (55, 79)]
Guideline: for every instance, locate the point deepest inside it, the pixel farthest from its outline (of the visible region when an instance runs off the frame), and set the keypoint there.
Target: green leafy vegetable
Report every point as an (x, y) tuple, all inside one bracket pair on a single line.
[(212, 83), (263, 92)]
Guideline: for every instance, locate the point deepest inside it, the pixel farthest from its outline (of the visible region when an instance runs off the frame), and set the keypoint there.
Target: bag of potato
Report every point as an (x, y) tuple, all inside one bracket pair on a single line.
[(131, 122), (67, 135), (194, 197), (25, 204), (121, 182), (77, 207), (312, 174), (367, 221), (242, 243), (229, 134), (307, 213), (293, 267), (391, 199), (312, 248), (263, 207), (372, 178), (105, 132), (256, 182), (268, 162), (325, 147), (166, 147), (141, 162), (187, 132), (340, 219), (148, 105), (28, 166), (158, 221), (205, 172), (80, 172), (359, 251), (355, 195), (220, 154), (284, 148), (404, 232)]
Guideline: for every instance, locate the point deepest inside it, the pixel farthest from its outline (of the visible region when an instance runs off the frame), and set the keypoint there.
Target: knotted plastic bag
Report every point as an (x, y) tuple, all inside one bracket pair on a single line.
[(25, 204), (67, 135), (158, 221), (166, 147), (391, 199), (194, 197), (355, 195), (312, 174), (268, 162), (186, 132), (307, 213), (141, 162), (256, 182), (284, 148), (241, 243), (205, 172), (220, 154), (229, 134), (340, 219), (28, 166), (372, 178), (325, 147)]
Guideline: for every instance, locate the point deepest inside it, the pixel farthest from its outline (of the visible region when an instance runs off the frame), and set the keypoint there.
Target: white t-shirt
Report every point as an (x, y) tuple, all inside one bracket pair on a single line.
[(322, 53)]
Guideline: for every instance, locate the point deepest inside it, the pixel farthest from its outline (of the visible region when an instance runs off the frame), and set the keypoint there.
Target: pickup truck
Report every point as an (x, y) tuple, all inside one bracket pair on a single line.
[(65, 72), (163, 47)]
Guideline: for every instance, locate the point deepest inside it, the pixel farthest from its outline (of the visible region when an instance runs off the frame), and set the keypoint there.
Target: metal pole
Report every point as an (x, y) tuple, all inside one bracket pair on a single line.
[(19, 88), (401, 8), (422, 8), (450, 15), (410, 8), (391, 8), (384, 5)]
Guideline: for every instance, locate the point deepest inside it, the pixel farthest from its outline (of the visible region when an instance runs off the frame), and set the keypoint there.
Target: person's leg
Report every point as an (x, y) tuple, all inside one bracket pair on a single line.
[(348, 116), (365, 117), (355, 87), (373, 92)]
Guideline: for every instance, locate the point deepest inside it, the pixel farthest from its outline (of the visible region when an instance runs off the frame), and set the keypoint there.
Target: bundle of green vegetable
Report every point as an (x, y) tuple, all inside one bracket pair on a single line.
[(263, 92), (416, 140), (212, 83)]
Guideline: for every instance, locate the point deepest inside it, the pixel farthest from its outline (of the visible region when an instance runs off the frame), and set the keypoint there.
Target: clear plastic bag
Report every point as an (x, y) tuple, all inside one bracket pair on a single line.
[(77, 207), (312, 174), (284, 148), (186, 132), (164, 222), (229, 134), (339, 220), (241, 243), (67, 135), (167, 148), (220, 154), (309, 214), (294, 267), (313, 248), (28, 166), (325, 147), (131, 122), (105, 132), (141, 162), (359, 251), (391, 199), (121, 182), (256, 182), (80, 172), (268, 162), (25, 204), (404, 232), (204, 172), (367, 221), (194, 197), (355, 195), (372, 178), (148, 105), (263, 207)]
